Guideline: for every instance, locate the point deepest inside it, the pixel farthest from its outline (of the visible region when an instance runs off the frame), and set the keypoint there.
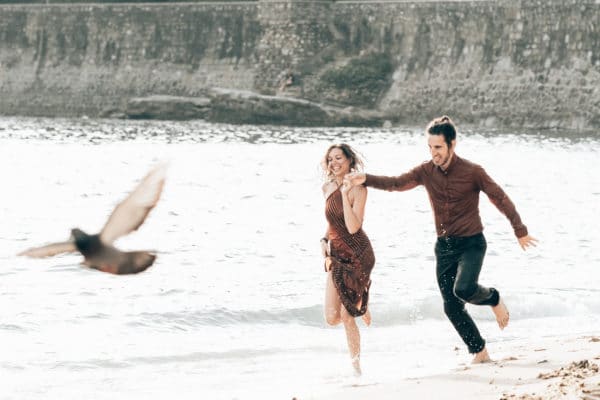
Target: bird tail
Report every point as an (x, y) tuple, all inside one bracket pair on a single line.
[(138, 261)]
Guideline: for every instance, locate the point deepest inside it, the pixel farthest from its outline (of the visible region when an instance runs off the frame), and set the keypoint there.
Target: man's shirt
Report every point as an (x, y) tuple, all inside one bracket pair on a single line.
[(454, 195)]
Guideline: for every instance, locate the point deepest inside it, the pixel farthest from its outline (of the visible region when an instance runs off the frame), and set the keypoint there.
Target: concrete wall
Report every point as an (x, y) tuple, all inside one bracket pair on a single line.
[(497, 63)]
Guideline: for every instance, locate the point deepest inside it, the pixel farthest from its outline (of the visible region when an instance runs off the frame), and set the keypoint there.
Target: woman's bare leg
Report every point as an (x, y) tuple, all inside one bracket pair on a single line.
[(353, 337), (367, 317), (333, 304), (336, 313)]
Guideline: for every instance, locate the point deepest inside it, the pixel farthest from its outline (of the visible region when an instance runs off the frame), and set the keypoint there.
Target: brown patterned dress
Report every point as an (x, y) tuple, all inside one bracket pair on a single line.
[(352, 258)]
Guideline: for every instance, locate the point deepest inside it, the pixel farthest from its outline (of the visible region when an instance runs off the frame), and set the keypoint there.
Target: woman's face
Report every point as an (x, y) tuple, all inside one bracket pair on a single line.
[(337, 163)]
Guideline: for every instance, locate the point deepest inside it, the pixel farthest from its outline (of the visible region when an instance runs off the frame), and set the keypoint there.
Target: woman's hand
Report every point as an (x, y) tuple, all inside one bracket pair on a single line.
[(346, 186), (324, 248), (356, 178)]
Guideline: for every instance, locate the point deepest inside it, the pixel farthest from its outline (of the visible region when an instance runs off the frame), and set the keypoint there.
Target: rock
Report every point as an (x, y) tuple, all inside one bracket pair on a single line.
[(167, 107), (245, 107)]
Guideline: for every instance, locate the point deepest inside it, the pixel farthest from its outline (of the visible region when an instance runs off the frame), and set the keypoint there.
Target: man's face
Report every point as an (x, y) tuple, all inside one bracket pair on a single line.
[(440, 153)]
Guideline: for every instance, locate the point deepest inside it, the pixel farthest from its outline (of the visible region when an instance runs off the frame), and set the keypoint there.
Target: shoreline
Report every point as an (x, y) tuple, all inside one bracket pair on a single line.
[(540, 369)]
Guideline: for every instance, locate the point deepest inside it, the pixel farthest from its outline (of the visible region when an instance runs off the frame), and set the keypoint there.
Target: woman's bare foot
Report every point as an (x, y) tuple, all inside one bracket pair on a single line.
[(366, 317), (502, 315), (481, 357), (356, 365)]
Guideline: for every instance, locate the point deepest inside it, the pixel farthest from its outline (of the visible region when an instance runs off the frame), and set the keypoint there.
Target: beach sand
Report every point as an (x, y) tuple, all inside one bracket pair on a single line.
[(541, 369)]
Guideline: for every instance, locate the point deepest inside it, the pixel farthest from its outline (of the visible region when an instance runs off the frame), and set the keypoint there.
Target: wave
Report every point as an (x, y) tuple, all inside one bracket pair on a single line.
[(12, 328), (557, 303), (222, 317)]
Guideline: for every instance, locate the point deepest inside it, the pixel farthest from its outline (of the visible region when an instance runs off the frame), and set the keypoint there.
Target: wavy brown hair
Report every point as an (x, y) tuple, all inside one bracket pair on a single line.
[(356, 162)]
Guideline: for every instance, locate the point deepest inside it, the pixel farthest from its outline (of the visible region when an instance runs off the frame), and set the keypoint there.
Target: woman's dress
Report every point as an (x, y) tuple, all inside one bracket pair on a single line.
[(352, 258)]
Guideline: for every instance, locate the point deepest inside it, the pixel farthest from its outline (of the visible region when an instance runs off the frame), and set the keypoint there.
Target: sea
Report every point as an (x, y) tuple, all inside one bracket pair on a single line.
[(233, 306)]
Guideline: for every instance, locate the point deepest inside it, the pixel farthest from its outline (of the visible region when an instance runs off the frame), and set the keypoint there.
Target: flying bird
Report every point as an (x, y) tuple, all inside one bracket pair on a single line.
[(98, 250)]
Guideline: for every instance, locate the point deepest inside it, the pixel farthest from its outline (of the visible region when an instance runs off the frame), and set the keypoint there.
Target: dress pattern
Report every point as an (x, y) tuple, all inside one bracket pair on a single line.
[(352, 258)]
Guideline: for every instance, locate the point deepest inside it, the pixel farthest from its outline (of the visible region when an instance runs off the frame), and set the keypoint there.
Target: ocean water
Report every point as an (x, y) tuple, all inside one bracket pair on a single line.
[(232, 308)]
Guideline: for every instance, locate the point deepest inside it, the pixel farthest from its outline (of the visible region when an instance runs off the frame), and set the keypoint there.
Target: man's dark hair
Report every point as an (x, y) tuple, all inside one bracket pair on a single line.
[(443, 126)]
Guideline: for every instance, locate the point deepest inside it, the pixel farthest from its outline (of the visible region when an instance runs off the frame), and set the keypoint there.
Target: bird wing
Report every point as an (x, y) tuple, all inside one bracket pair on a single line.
[(129, 214), (49, 250)]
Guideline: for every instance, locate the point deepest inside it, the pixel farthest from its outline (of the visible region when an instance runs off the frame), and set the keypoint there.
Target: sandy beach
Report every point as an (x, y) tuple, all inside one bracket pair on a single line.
[(547, 368)]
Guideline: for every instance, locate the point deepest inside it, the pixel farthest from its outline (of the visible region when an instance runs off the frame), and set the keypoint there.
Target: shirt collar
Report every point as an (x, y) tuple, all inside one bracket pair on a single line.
[(453, 162)]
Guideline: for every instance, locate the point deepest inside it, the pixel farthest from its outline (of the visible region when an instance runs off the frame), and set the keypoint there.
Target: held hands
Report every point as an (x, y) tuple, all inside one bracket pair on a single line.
[(352, 179), (346, 186), (527, 241), (355, 178)]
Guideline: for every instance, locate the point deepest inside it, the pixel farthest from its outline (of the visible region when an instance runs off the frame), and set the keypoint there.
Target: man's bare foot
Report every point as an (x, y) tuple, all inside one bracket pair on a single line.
[(366, 317), (502, 315), (481, 357)]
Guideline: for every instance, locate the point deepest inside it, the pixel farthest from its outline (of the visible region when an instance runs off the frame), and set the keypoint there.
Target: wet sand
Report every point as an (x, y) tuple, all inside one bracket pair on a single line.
[(539, 369)]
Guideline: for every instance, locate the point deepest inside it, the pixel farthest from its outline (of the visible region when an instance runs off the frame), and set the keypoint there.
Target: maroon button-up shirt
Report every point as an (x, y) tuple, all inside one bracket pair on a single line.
[(454, 195)]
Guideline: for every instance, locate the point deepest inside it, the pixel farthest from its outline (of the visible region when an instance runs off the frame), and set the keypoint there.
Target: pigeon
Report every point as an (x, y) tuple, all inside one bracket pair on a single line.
[(98, 250)]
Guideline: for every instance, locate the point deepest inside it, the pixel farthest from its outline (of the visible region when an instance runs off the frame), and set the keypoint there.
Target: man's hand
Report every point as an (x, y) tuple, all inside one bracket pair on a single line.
[(527, 241), (355, 178)]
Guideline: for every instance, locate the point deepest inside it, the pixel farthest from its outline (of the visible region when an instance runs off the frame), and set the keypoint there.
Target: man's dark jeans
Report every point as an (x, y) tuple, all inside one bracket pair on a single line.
[(459, 261)]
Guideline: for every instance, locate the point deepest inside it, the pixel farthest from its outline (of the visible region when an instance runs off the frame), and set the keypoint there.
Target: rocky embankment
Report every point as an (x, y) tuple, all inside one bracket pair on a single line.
[(499, 64), (246, 107)]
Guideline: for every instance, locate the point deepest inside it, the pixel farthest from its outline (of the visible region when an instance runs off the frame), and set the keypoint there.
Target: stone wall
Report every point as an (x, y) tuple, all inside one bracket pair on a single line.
[(87, 59), (527, 63), (520, 63)]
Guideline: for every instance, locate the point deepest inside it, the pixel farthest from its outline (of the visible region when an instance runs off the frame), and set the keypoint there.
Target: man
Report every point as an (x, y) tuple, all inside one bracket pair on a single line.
[(453, 185)]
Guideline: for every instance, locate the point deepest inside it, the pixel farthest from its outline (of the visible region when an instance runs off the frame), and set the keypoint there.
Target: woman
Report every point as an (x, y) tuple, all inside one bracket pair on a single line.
[(348, 254)]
